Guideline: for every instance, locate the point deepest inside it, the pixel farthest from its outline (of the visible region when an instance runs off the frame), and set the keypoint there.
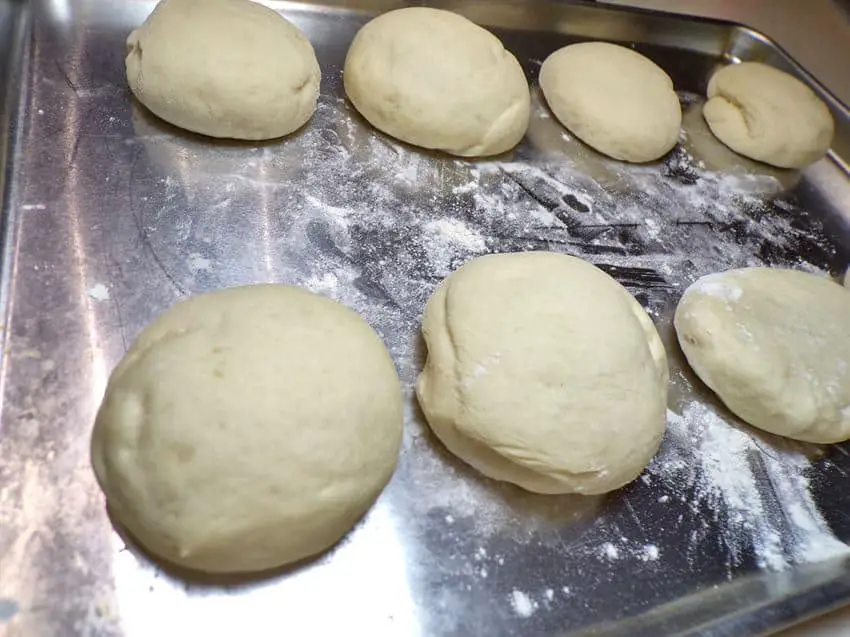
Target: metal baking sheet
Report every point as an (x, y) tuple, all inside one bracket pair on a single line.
[(111, 216)]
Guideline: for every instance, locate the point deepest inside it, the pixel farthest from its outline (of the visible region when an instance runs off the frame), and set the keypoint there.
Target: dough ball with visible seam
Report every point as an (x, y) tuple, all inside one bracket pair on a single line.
[(768, 115), (773, 344), (434, 79), (248, 428), (545, 372), (223, 68), (613, 99)]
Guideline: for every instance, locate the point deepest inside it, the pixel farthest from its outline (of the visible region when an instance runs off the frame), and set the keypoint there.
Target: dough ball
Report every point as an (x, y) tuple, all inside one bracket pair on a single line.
[(223, 68), (248, 428), (434, 79), (767, 115), (543, 371), (774, 346), (613, 99)]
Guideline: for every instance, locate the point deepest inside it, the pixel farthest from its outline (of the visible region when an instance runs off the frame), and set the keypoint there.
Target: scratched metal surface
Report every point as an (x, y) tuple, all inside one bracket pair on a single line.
[(110, 216)]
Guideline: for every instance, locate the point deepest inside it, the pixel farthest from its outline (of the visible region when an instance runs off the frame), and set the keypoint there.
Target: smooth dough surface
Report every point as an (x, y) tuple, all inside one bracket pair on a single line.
[(543, 371), (768, 115), (613, 99), (223, 68), (773, 344), (248, 428), (434, 79)]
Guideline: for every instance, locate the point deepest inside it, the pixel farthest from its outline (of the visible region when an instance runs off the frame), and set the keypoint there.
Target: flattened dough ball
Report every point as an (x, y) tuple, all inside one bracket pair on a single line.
[(774, 346), (543, 371), (248, 428), (768, 115), (613, 99), (434, 79), (223, 68)]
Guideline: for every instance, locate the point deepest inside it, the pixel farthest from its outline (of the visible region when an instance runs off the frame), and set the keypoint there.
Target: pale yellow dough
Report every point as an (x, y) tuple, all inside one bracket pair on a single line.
[(768, 115), (434, 79), (223, 68), (613, 99), (543, 371), (773, 344), (248, 428)]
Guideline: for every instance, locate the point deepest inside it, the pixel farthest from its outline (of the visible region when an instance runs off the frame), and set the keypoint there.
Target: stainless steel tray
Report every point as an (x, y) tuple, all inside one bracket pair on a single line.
[(110, 216)]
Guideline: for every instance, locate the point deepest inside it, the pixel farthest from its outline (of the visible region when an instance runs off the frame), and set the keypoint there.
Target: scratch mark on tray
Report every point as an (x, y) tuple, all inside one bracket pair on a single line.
[(546, 204), (120, 316), (67, 79), (146, 242), (635, 517), (76, 147)]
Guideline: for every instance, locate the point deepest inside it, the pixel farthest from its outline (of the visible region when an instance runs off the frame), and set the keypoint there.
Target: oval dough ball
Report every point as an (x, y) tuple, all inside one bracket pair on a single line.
[(774, 346), (223, 68), (248, 428), (434, 79), (543, 371), (613, 99), (767, 115)]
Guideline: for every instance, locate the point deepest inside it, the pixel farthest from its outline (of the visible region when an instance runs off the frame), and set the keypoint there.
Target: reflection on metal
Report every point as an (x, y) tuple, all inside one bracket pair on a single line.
[(102, 196)]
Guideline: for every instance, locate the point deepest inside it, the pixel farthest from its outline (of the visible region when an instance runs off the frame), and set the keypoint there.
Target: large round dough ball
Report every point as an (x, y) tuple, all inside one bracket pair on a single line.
[(434, 79), (248, 428), (767, 115), (223, 68), (543, 371), (613, 99), (774, 346)]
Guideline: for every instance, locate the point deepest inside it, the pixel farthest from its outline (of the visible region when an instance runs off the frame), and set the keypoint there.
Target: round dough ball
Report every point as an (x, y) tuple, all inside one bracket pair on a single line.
[(223, 68), (613, 99), (767, 115), (248, 428), (434, 79), (774, 346), (543, 371)]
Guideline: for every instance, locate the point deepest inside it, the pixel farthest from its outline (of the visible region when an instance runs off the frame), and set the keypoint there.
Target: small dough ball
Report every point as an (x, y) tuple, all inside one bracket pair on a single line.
[(434, 79), (543, 371), (223, 68), (613, 99), (774, 346), (248, 428), (767, 115)]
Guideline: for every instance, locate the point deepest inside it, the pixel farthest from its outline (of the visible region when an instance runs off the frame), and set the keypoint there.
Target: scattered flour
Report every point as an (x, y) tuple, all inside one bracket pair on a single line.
[(610, 551), (378, 226), (718, 286), (729, 473), (522, 604), (99, 292)]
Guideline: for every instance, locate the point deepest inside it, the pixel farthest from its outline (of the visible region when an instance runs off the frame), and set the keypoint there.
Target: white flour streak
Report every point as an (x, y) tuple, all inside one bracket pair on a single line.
[(740, 480)]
